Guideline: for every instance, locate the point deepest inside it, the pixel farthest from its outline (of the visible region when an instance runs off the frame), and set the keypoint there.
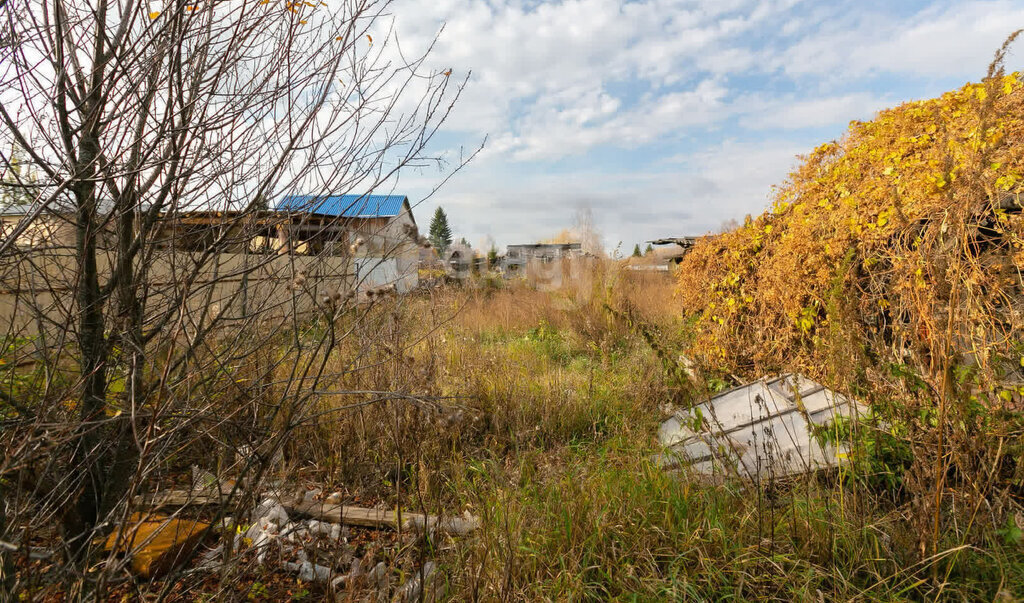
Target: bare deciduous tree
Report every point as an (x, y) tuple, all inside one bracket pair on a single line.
[(157, 137)]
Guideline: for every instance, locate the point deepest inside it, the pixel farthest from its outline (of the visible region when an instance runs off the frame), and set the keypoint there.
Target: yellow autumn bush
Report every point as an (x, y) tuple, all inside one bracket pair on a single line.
[(900, 244)]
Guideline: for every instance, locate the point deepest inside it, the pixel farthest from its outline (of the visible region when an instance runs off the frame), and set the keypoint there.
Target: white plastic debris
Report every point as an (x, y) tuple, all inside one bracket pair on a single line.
[(320, 528), (276, 515), (259, 530), (309, 572), (211, 560), (379, 577), (355, 573), (422, 585), (295, 532), (260, 537), (310, 495), (326, 529), (456, 525), (265, 505)]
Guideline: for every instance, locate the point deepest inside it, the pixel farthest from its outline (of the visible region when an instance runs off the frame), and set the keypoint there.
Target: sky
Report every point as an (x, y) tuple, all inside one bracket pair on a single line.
[(667, 117)]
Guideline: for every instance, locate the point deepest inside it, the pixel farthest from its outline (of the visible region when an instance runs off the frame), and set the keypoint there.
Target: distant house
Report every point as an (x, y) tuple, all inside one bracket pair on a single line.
[(546, 266), (48, 229), (668, 253), (51, 228), (379, 231), (518, 257), (459, 259)]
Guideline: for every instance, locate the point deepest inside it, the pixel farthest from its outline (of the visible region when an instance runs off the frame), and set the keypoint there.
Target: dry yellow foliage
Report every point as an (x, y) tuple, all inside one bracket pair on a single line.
[(901, 243)]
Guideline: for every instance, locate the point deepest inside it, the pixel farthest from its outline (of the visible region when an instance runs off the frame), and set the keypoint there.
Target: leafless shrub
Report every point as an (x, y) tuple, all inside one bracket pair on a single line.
[(147, 330)]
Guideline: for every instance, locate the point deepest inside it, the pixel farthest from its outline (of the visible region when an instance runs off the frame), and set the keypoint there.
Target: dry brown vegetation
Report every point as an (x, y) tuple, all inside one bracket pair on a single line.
[(536, 412), (889, 269)]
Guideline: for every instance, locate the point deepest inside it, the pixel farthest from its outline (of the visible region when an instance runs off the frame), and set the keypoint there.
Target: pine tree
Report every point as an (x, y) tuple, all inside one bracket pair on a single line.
[(440, 233), (636, 250), (649, 249)]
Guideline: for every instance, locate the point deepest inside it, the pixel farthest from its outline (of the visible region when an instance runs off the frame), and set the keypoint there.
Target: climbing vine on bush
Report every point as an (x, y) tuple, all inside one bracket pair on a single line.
[(900, 245), (878, 235)]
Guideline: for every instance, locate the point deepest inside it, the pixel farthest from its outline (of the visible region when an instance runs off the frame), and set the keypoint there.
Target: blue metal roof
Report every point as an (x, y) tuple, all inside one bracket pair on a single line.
[(345, 206)]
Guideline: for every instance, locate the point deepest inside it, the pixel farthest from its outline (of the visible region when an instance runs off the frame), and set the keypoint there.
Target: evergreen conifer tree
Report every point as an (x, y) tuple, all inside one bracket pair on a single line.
[(440, 232)]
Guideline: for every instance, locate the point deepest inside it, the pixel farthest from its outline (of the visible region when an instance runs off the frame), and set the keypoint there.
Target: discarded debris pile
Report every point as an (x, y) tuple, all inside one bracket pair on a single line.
[(307, 535), (760, 430)]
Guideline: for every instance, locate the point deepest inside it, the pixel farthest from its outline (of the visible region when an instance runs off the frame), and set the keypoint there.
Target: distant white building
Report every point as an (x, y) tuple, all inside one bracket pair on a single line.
[(518, 258), (379, 231), (545, 265)]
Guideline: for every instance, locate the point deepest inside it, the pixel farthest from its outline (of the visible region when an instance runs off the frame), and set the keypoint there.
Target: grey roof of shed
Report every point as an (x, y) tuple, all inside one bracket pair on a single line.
[(686, 242), (544, 246), (759, 430)]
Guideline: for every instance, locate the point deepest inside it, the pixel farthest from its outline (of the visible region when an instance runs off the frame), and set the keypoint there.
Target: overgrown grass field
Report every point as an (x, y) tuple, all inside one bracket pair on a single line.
[(547, 432)]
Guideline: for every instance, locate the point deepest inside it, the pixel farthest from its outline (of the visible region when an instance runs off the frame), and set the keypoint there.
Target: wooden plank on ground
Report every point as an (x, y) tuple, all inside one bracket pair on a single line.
[(341, 514), (349, 515), (384, 518), (187, 498)]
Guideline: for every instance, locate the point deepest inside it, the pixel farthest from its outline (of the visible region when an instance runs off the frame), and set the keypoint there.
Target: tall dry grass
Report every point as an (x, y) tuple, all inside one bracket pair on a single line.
[(537, 411)]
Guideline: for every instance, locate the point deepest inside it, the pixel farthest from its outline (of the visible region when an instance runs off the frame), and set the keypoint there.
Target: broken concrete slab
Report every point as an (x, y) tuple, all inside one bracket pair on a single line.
[(758, 430), (155, 543)]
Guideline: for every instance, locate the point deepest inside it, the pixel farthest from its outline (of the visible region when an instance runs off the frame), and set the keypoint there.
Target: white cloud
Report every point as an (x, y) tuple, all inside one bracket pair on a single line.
[(707, 101), (555, 129), (546, 75), (788, 113), (956, 40), (626, 69)]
